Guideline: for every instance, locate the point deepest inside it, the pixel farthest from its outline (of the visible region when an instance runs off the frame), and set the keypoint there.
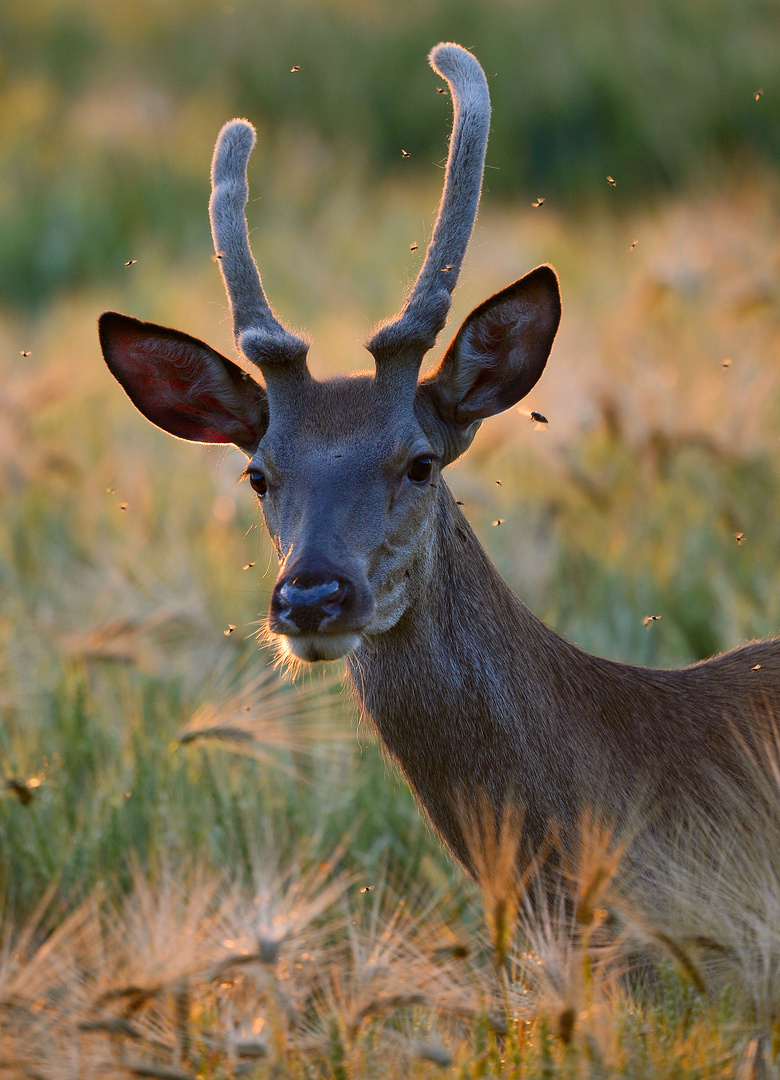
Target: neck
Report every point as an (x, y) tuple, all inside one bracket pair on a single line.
[(465, 690)]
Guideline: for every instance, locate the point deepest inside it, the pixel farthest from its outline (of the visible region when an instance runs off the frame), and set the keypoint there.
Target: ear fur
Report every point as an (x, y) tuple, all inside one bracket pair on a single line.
[(498, 355), (183, 385)]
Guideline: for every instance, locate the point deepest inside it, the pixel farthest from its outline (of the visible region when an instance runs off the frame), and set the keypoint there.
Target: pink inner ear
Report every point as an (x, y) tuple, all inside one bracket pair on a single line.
[(181, 384), (501, 349)]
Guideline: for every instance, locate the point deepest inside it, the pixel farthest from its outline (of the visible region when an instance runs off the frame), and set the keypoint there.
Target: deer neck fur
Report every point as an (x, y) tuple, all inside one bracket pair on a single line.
[(473, 695), (465, 690)]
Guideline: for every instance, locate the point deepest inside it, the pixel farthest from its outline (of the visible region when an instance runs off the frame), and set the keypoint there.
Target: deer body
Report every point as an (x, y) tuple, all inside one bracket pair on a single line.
[(468, 690)]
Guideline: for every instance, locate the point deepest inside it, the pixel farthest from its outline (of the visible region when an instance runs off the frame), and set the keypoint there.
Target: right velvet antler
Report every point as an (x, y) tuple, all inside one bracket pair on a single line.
[(404, 341)]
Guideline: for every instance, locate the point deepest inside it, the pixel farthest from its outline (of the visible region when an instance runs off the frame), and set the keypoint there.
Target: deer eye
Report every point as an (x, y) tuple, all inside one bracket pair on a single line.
[(258, 482), (420, 469)]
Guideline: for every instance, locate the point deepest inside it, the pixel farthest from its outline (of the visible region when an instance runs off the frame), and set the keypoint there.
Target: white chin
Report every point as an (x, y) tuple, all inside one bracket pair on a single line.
[(322, 646)]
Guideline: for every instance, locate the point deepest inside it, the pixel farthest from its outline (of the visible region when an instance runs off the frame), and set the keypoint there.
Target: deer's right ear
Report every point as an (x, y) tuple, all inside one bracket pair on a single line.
[(496, 357), (183, 385)]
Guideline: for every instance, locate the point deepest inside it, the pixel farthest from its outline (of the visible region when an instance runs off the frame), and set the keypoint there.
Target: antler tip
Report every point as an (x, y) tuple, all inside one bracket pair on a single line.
[(234, 145), (465, 76), (425, 311), (448, 59), (444, 48), (239, 129)]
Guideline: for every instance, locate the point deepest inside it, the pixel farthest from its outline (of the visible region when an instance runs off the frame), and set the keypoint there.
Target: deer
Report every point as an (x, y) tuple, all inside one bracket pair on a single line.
[(470, 693)]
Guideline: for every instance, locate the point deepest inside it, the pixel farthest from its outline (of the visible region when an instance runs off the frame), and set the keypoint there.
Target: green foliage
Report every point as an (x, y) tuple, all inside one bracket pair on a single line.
[(109, 116)]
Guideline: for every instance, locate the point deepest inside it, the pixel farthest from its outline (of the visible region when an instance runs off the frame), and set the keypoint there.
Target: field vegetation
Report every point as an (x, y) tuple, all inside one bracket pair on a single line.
[(204, 869)]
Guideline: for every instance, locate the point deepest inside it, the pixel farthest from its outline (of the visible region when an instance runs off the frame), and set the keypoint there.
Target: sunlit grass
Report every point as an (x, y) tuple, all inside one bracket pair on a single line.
[(299, 969)]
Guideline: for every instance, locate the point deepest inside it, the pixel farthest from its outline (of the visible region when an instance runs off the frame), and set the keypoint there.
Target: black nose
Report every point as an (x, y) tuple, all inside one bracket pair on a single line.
[(307, 600)]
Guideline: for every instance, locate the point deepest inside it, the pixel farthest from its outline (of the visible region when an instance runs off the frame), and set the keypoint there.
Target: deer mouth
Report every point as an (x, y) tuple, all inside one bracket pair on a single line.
[(315, 647)]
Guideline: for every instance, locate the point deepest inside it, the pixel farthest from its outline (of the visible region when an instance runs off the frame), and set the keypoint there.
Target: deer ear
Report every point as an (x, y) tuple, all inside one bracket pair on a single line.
[(183, 385), (499, 353)]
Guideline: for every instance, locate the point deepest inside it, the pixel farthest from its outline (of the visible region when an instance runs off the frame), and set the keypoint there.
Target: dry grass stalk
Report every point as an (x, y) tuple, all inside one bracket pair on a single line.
[(503, 872), (264, 718), (284, 905), (383, 974), (595, 870), (119, 638)]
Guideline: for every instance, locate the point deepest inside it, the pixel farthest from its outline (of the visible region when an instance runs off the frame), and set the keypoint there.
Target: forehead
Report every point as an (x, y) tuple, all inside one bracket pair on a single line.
[(349, 411)]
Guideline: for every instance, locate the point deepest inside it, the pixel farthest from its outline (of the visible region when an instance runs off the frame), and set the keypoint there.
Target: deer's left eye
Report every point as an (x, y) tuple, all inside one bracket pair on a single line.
[(420, 469), (258, 482)]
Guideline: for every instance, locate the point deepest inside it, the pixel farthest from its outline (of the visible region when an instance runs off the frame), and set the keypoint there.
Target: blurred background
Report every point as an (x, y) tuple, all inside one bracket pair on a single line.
[(109, 112), (133, 569)]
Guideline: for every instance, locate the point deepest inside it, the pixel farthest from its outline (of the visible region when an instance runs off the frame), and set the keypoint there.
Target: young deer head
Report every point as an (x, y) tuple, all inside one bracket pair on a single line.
[(347, 470)]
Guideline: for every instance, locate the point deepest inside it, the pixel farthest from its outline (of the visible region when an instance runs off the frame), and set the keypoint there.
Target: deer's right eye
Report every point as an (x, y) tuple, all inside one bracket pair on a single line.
[(420, 469), (258, 482)]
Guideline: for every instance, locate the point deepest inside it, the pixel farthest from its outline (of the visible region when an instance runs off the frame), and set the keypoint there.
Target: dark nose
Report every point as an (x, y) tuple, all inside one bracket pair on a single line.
[(304, 601)]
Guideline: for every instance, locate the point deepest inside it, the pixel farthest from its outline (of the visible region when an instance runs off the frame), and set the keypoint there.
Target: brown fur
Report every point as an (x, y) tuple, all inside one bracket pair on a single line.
[(471, 692)]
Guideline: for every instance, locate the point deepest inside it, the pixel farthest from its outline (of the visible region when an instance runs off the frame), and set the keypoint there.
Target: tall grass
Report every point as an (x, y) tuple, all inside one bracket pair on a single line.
[(300, 971), (205, 871)]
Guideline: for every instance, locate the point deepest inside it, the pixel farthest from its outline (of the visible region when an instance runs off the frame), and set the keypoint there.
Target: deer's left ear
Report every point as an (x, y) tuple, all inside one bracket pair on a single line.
[(498, 355), (183, 385)]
